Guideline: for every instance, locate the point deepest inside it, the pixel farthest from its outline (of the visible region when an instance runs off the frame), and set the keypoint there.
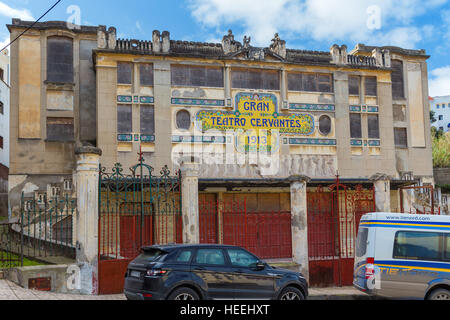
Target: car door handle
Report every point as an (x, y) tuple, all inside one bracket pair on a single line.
[(199, 269)]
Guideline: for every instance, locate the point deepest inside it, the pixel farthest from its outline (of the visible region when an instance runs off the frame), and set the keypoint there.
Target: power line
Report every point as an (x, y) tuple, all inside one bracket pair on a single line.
[(57, 2)]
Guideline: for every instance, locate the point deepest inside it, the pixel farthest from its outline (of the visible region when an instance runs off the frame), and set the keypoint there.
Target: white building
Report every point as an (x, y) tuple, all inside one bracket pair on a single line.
[(4, 130), (441, 107)]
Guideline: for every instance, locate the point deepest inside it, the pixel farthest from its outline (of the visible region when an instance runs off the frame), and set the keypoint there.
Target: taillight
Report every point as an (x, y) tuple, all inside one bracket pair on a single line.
[(156, 272), (370, 268)]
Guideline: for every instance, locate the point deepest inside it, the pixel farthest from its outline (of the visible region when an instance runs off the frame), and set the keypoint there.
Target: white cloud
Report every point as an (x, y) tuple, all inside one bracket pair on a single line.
[(9, 12), (324, 20), (439, 82)]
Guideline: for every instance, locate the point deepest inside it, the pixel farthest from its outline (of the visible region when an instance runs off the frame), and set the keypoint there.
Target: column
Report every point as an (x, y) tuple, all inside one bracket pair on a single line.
[(87, 176), (300, 223), (189, 191), (382, 184)]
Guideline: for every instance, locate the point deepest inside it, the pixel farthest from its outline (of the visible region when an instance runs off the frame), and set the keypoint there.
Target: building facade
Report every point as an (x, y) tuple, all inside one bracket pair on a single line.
[(299, 141), (441, 108), (4, 131)]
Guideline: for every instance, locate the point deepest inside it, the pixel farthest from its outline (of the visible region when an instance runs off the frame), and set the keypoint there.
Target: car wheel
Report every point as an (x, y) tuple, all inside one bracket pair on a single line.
[(291, 293), (183, 294), (439, 294)]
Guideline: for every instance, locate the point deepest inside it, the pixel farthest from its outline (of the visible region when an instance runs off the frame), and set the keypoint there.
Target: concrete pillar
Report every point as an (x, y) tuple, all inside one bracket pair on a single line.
[(190, 212), (382, 184), (87, 217), (300, 223)]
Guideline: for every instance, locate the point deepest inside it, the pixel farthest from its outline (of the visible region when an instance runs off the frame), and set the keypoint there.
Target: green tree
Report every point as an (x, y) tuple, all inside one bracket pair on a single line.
[(441, 149)]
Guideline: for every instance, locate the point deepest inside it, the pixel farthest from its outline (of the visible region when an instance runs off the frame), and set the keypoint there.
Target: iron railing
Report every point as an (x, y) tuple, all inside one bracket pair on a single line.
[(11, 252), (46, 227)]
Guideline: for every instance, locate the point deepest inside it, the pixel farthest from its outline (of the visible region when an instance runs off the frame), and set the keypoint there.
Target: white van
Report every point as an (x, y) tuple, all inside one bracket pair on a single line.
[(403, 256)]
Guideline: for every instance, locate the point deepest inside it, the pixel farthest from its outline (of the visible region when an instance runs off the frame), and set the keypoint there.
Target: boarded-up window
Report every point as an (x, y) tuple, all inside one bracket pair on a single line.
[(373, 126), (353, 85), (294, 81), (355, 126), (147, 120), (371, 86), (60, 129), (197, 76), (255, 79), (183, 120), (398, 86), (325, 82), (312, 82), (401, 137), (124, 119), (146, 74), (60, 59), (124, 72)]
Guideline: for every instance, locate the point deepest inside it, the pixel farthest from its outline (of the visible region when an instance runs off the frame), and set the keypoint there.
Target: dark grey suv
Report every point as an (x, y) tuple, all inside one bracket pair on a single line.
[(205, 272)]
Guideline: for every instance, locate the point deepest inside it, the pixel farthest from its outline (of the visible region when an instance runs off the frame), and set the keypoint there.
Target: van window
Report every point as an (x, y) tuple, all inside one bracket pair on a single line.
[(361, 242), (447, 248), (417, 246)]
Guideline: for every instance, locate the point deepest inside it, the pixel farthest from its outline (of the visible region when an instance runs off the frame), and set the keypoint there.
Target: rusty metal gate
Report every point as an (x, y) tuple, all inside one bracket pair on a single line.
[(135, 210), (267, 234), (334, 213)]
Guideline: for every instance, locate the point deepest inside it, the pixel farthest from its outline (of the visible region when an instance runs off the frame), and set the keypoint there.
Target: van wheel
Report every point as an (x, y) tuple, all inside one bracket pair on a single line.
[(183, 294), (439, 294), (291, 293)]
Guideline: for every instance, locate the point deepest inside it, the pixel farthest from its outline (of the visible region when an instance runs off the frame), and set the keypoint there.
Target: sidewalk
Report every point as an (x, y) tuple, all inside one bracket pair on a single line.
[(11, 291)]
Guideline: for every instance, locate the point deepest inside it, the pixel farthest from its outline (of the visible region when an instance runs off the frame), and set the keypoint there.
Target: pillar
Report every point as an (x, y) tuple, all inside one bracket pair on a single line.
[(382, 185), (87, 177), (299, 214), (189, 209)]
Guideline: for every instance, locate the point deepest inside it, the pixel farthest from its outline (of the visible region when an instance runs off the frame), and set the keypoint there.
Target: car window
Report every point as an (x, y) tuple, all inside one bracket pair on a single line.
[(241, 258), (184, 256), (210, 257)]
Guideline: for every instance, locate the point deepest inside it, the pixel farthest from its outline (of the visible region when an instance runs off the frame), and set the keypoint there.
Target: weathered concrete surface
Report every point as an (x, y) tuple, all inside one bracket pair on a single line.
[(299, 213), (190, 210), (442, 176), (11, 291), (86, 222), (63, 277), (382, 186)]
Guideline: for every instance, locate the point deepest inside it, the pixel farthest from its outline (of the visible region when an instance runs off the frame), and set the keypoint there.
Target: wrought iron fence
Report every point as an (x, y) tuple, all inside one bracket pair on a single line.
[(11, 253), (46, 227), (137, 209)]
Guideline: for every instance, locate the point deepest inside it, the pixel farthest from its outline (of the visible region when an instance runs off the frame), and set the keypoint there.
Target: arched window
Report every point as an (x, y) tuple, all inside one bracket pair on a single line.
[(325, 125), (183, 120)]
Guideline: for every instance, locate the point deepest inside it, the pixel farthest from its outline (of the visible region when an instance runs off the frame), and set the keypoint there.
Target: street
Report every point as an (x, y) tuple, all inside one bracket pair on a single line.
[(11, 291)]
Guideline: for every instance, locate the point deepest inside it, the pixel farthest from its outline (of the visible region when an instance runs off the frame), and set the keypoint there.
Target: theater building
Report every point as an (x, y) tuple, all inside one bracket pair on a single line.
[(274, 149)]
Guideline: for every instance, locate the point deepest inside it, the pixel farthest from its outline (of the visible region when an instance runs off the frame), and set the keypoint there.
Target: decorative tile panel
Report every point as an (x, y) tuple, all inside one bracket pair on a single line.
[(199, 139), (147, 138), (145, 99), (310, 141), (312, 107), (198, 102), (356, 143), (125, 137), (125, 99)]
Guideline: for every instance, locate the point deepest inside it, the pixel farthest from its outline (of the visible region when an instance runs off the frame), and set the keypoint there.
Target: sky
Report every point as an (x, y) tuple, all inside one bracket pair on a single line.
[(304, 24)]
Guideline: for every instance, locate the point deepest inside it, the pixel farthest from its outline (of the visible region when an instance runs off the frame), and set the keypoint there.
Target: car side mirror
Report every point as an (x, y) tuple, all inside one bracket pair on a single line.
[(259, 266)]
